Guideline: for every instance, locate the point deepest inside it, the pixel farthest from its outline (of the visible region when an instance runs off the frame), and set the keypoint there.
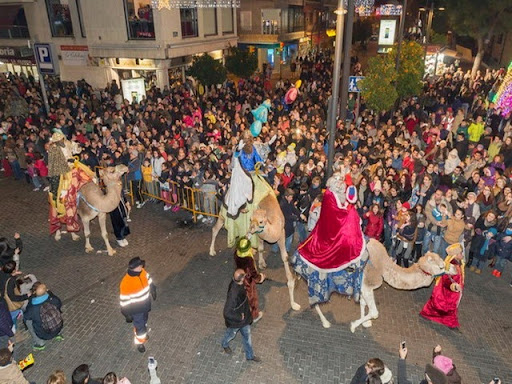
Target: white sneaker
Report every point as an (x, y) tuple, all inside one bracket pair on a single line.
[(200, 216), (128, 220), (121, 243), (36, 189), (46, 189), (125, 242), (167, 207)]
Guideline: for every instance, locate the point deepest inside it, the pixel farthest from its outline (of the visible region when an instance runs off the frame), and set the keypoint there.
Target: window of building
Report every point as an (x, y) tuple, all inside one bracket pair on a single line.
[(210, 21), (60, 18), (188, 18), (227, 20), (80, 17), (13, 24), (139, 15), (270, 21), (295, 18)]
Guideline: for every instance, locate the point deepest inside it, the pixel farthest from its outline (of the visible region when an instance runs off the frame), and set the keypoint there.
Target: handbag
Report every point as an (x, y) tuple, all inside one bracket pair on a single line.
[(12, 305)]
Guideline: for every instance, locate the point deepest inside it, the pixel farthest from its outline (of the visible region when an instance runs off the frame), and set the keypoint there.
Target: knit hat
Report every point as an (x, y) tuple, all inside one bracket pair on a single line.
[(406, 205), (377, 185), (435, 375), (443, 363), (244, 248), (291, 147), (136, 262), (493, 231)]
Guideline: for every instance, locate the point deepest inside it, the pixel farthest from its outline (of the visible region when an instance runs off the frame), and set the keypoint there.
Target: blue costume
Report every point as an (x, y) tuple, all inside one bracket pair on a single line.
[(248, 161)]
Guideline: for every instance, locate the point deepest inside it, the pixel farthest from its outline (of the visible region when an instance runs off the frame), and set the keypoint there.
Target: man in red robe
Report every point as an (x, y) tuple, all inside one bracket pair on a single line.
[(443, 305), (337, 239)]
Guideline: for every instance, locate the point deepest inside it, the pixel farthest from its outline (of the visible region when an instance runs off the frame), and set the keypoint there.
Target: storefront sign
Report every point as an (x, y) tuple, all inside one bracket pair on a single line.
[(387, 32), (133, 89), (75, 55), (17, 55)]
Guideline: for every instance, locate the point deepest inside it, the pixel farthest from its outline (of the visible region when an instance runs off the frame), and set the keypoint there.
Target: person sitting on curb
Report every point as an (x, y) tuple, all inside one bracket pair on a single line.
[(43, 316), (9, 370)]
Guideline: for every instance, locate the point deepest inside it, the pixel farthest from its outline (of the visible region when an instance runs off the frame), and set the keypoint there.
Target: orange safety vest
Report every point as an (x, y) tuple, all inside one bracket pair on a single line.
[(134, 293)]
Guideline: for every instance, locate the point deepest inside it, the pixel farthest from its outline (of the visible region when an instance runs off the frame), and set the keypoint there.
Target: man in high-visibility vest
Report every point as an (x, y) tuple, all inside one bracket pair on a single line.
[(135, 290)]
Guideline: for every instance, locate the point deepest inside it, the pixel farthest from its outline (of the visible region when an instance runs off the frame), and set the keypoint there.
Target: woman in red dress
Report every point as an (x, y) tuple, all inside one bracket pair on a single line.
[(443, 305)]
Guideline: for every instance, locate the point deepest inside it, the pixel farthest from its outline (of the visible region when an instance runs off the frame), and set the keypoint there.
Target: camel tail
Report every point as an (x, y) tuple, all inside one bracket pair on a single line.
[(396, 276)]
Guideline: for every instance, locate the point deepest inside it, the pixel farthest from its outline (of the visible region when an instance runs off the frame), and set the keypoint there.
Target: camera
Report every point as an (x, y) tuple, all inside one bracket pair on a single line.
[(496, 380), (403, 344)]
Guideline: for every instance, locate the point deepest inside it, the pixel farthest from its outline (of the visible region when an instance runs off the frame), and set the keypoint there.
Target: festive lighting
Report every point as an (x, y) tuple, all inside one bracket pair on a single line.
[(362, 7), (389, 10), (504, 95), (169, 4)]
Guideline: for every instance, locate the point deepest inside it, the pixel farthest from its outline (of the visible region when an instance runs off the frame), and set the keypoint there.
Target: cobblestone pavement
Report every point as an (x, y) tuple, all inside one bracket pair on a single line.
[(187, 321)]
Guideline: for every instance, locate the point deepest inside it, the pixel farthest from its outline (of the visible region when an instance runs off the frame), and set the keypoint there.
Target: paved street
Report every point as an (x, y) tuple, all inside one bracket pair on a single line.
[(187, 321)]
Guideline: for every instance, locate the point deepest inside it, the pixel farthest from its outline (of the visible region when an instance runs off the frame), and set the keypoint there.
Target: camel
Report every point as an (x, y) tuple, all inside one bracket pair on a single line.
[(378, 268), (267, 222), (93, 202)]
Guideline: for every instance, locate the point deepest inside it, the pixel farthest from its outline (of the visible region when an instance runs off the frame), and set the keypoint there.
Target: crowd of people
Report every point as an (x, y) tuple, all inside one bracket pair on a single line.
[(433, 172)]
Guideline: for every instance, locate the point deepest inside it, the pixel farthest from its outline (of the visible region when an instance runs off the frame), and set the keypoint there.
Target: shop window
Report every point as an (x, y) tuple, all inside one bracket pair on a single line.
[(80, 17), (13, 24), (210, 21), (60, 18), (227, 20), (188, 18), (139, 16)]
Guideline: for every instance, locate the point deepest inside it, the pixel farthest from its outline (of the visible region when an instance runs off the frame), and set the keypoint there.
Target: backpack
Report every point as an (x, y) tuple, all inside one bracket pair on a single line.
[(51, 318)]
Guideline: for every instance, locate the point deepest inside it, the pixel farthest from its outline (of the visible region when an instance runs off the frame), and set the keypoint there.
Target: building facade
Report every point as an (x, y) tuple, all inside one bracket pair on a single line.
[(501, 49), (102, 40), (281, 30)]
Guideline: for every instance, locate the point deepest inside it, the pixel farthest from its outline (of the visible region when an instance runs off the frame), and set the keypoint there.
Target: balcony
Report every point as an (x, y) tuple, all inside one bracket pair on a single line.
[(14, 32)]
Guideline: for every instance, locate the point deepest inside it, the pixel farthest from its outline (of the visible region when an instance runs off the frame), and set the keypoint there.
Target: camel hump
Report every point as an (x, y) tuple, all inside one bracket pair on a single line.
[(270, 205)]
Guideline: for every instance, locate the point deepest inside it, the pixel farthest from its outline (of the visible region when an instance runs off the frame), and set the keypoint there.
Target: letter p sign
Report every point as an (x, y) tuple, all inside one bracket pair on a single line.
[(45, 60)]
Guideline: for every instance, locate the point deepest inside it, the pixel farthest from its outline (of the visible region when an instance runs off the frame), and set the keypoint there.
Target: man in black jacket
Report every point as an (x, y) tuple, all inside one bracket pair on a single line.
[(237, 316)]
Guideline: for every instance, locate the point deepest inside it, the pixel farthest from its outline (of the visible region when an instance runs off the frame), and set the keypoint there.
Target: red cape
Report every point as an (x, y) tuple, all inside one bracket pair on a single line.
[(337, 239)]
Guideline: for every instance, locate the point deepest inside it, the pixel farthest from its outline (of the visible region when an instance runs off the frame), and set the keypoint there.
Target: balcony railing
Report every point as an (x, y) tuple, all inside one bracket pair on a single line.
[(14, 32)]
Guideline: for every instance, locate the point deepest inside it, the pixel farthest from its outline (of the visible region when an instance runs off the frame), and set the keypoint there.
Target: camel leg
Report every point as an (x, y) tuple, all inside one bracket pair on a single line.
[(261, 260), (74, 236), (87, 233), (58, 235), (289, 275), (103, 225), (215, 231), (325, 322), (363, 305), (369, 298)]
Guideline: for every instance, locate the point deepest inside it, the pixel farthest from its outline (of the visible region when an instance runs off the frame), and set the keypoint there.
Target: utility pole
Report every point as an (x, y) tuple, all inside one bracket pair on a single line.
[(401, 34), (333, 105), (346, 59)]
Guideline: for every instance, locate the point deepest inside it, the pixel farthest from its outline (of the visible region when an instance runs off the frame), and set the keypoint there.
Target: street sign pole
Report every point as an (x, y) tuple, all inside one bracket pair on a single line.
[(333, 105), (47, 63)]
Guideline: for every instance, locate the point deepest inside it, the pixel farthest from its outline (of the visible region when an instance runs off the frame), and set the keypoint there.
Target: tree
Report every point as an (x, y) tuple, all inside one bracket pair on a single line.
[(241, 62), (480, 20), (378, 87), (411, 69), (207, 70)]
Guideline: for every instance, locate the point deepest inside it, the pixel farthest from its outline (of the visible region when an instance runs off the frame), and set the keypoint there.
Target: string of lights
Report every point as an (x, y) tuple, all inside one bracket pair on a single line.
[(170, 4)]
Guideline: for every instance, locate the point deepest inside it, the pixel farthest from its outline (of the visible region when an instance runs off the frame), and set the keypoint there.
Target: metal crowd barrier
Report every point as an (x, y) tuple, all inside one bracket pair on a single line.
[(198, 201)]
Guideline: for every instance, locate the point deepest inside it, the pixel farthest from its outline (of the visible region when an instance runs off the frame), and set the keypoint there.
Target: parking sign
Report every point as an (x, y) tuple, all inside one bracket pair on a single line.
[(46, 59)]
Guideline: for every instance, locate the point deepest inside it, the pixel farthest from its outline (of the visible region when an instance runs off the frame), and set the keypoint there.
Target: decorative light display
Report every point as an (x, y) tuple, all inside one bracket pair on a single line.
[(504, 95), (364, 7), (169, 4), (389, 10)]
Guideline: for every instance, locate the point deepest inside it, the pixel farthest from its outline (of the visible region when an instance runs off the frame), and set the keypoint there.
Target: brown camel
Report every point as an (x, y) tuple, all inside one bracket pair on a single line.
[(93, 202), (267, 222)]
